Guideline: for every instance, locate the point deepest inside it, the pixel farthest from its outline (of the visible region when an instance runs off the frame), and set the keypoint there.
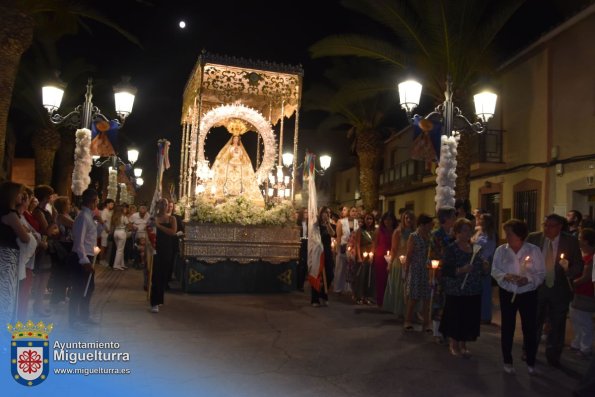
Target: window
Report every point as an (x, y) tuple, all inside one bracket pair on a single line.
[(525, 207), (527, 202)]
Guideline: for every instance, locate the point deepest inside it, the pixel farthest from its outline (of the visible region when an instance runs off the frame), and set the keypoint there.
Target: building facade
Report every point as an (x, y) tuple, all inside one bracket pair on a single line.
[(538, 155)]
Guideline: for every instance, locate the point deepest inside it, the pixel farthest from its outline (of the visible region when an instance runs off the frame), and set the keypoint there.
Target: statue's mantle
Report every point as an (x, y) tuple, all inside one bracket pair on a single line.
[(212, 243)]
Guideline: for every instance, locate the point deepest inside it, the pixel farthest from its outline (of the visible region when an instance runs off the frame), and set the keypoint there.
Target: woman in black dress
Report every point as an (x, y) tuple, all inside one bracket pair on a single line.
[(326, 233), (166, 227)]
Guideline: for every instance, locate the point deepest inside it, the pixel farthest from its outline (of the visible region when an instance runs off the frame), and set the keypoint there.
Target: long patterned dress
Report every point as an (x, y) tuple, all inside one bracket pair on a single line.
[(383, 243), (418, 282), (9, 257), (394, 294), (363, 279)]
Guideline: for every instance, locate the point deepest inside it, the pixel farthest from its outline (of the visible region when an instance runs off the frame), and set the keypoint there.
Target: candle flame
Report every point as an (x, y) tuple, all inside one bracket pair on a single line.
[(561, 256), (527, 258), (435, 263)]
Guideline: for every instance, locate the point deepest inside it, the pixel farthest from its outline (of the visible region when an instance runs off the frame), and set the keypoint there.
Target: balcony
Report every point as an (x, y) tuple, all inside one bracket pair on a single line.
[(402, 175), (486, 151)]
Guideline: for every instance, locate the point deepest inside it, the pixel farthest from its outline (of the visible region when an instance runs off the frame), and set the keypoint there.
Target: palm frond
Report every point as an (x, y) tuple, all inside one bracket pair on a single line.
[(359, 46), (398, 16)]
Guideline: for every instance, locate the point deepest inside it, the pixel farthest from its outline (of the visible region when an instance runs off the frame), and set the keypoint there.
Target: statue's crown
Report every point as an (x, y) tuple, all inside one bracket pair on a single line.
[(30, 330), (236, 127)]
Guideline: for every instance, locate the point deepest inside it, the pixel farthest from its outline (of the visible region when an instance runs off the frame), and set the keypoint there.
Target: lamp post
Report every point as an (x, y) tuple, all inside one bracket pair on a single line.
[(83, 115), (282, 183), (452, 119), (447, 112)]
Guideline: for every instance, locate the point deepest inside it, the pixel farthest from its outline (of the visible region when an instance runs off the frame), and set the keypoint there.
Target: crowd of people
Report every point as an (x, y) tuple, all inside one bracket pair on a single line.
[(49, 248), (438, 277)]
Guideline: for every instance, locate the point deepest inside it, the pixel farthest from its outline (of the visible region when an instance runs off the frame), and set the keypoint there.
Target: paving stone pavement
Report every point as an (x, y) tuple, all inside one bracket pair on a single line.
[(278, 345)]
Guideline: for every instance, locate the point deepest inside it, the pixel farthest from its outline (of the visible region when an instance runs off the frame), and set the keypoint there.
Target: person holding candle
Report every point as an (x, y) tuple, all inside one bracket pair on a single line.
[(583, 304), (363, 278), (462, 270), (555, 294), (440, 239), (519, 269), (382, 244), (394, 295), (418, 283), (84, 239), (487, 237), (346, 226)]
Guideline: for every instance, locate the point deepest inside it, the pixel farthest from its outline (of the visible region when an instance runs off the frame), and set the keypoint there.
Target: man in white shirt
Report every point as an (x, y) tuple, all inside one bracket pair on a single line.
[(84, 236), (139, 221)]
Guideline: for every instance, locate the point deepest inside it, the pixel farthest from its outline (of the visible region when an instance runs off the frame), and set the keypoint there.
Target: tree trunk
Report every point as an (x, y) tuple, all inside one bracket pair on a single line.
[(16, 35), (45, 143), (463, 185), (368, 146), (64, 165)]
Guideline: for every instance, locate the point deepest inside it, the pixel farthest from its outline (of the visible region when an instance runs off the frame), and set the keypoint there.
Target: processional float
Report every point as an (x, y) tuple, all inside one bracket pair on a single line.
[(258, 250)]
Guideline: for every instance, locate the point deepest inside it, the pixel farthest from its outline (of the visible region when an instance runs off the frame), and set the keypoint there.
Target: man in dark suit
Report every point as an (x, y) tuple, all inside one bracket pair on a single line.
[(555, 294)]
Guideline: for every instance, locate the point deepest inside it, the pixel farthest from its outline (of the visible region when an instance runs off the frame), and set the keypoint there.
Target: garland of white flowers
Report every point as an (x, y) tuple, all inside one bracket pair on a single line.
[(237, 211), (250, 115), (112, 187), (82, 162), (123, 194), (446, 176)]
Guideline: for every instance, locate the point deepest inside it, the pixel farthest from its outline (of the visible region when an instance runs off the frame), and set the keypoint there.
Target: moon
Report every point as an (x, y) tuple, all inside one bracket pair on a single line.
[(182, 24)]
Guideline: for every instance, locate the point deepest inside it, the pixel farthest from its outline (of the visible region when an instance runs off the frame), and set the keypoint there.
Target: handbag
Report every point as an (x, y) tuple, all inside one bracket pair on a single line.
[(583, 303)]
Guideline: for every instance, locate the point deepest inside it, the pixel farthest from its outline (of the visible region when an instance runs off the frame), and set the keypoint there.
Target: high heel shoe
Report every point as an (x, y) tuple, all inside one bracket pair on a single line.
[(454, 351)]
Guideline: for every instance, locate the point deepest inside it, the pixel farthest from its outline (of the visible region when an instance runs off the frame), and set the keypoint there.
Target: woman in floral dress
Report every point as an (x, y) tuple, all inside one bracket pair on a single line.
[(394, 295), (418, 283)]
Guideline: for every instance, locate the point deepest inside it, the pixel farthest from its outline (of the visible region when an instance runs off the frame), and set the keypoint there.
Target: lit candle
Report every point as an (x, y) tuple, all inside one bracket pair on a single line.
[(402, 259), (435, 263), (563, 262), (365, 255), (387, 253), (523, 271)]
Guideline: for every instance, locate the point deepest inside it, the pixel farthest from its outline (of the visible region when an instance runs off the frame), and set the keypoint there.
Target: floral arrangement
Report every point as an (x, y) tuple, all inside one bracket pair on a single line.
[(112, 187), (239, 111), (82, 162), (238, 211), (446, 172)]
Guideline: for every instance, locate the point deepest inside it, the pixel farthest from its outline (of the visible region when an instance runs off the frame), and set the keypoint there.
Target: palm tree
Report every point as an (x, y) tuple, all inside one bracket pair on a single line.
[(357, 109), (19, 21), (435, 38)]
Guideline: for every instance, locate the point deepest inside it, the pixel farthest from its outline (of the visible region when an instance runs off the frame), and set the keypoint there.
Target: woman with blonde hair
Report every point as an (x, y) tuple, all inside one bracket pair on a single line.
[(118, 225)]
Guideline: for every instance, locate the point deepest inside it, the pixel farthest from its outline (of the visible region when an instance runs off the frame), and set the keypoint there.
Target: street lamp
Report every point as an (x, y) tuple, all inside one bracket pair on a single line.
[(447, 112), (83, 115), (452, 120)]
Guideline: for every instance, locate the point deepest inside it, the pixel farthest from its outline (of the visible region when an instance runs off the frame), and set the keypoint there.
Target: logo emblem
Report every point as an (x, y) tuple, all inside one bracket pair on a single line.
[(29, 352)]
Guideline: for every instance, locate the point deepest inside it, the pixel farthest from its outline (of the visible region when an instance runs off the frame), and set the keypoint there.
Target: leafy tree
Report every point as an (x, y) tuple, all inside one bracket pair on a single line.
[(20, 19), (434, 38)]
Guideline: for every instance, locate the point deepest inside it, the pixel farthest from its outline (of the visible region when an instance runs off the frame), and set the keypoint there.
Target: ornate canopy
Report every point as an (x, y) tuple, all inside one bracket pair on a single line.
[(271, 88), (268, 89)]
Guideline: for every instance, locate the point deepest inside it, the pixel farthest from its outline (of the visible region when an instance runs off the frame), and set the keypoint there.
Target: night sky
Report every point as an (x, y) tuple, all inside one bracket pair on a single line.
[(274, 31)]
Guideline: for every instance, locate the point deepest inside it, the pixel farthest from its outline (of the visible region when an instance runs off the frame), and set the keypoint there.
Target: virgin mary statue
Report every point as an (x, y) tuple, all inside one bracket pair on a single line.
[(233, 175)]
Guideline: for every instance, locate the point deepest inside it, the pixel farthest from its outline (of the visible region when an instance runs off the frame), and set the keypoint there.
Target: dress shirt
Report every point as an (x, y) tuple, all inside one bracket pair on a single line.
[(84, 235), (555, 244), (507, 261), (140, 223)]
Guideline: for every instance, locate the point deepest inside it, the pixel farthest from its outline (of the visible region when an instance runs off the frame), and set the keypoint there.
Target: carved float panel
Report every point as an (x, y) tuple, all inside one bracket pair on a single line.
[(244, 244)]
